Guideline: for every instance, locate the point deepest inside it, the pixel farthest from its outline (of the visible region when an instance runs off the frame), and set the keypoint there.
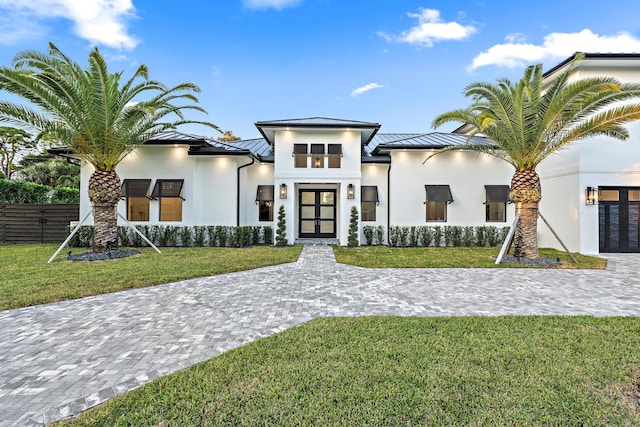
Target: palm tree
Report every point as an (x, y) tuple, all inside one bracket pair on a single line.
[(97, 116), (529, 120)]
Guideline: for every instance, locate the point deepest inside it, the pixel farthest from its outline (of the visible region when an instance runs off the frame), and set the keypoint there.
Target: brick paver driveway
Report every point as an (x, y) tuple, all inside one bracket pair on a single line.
[(59, 359)]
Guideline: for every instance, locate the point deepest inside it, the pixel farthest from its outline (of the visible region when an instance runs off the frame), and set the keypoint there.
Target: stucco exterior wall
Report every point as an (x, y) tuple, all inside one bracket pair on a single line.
[(466, 174), (209, 186)]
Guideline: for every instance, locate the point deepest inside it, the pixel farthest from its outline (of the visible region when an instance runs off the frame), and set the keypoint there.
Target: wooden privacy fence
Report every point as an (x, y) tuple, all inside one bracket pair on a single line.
[(27, 223)]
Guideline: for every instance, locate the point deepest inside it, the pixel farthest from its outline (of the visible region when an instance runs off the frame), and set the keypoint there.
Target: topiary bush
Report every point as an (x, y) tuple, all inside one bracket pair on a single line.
[(353, 239)]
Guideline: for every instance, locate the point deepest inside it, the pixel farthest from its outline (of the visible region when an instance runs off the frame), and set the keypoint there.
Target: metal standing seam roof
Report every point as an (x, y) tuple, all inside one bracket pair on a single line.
[(267, 128), (423, 141)]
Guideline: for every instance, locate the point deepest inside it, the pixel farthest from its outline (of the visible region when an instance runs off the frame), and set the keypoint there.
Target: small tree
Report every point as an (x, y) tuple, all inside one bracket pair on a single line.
[(228, 136), (281, 232), (353, 228), (13, 141)]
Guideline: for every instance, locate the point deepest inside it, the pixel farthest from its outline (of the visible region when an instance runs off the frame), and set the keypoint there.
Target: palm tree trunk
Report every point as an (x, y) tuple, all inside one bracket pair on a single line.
[(526, 194), (526, 236), (104, 193)]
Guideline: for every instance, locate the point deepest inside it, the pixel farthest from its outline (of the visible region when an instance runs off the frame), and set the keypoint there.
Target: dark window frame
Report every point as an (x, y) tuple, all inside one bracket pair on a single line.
[(136, 194), (369, 201), (300, 154), (437, 198), (160, 193), (264, 200), (496, 196)]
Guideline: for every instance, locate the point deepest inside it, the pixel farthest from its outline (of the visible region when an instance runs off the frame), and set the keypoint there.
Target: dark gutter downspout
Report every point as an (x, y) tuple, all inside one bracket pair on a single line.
[(253, 160), (388, 202)]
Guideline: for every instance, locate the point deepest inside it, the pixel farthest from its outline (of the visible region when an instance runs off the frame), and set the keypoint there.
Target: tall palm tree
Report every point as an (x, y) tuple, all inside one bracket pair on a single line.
[(99, 117), (532, 119)]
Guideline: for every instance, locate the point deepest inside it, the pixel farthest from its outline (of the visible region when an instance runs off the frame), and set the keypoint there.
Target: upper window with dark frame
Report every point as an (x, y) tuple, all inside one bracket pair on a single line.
[(300, 155), (369, 201), (317, 155), (264, 200), (334, 155), (497, 197), (438, 197), (169, 194), (136, 193)]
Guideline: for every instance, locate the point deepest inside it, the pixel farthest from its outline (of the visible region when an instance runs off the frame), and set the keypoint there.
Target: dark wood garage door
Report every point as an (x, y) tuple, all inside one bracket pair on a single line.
[(619, 219)]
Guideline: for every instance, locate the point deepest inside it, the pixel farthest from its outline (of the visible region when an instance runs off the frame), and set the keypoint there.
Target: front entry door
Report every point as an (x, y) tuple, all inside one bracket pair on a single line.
[(317, 213), (619, 219)]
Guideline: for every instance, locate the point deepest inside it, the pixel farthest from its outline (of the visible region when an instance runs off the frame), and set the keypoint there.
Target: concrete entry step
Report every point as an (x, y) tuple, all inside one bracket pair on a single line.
[(321, 242)]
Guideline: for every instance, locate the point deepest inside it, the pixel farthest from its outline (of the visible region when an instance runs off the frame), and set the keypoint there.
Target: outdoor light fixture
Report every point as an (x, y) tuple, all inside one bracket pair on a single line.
[(283, 191), (591, 195), (351, 193)]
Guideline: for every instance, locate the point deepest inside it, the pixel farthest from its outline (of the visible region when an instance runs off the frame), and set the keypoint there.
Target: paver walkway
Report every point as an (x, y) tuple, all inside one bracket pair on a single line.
[(59, 359)]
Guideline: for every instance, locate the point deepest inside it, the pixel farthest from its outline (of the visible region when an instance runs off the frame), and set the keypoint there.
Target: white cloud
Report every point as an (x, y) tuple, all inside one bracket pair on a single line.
[(431, 29), (270, 4), (516, 53), (365, 88), (101, 22)]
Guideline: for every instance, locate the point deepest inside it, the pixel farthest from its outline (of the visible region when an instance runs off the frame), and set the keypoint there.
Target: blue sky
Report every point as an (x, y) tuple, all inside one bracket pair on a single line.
[(399, 63)]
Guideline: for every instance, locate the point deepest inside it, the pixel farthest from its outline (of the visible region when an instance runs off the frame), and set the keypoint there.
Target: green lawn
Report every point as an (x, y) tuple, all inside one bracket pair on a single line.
[(386, 257), (391, 371), (27, 279)]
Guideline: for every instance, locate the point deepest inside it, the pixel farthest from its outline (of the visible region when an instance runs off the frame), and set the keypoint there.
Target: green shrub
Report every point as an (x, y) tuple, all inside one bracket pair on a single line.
[(468, 237), (368, 231), (212, 235), (65, 195), (437, 235), (199, 232), (186, 236), (123, 235), (223, 235), (481, 236), (281, 232), (404, 236), (425, 235), (394, 236), (492, 235), (353, 239), (456, 236), (23, 192), (380, 235), (255, 235), (413, 237), (267, 235)]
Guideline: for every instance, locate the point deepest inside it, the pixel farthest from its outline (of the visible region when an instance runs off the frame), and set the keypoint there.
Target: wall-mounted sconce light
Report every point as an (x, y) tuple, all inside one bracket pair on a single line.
[(591, 195), (283, 191), (351, 192)]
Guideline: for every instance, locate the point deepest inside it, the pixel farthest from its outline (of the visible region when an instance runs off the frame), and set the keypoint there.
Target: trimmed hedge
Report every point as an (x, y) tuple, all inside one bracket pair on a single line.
[(30, 192), (183, 236), (437, 236)]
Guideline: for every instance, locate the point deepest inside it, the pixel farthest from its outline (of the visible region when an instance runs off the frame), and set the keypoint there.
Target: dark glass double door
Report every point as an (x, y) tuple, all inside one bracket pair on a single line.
[(619, 219), (317, 213)]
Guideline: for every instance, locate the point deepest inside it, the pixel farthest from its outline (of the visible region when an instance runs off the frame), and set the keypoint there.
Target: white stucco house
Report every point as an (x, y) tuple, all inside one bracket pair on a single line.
[(318, 168)]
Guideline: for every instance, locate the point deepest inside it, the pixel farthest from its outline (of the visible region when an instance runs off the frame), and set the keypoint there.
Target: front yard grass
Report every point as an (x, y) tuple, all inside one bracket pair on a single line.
[(27, 279), (386, 257), (389, 371)]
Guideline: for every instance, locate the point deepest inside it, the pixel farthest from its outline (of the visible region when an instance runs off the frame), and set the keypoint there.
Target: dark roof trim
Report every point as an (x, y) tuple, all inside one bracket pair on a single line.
[(376, 159)]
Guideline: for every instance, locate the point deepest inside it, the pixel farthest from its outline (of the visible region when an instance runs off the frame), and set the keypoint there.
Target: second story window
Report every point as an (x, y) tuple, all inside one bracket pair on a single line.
[(335, 155), (300, 155), (317, 155)]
